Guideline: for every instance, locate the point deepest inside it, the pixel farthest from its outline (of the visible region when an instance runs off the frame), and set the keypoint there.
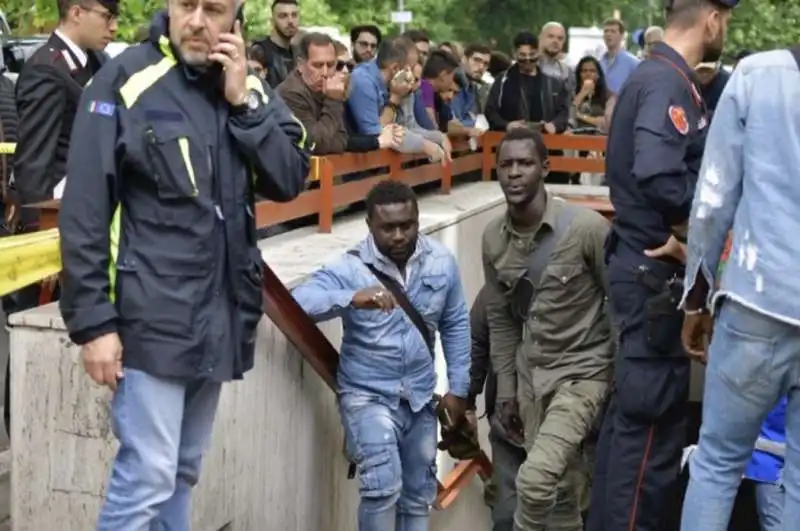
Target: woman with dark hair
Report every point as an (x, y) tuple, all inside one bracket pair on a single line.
[(591, 94)]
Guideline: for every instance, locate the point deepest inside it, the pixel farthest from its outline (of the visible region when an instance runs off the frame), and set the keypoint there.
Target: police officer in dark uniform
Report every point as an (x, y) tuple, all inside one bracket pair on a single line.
[(49, 88), (47, 94), (655, 146)]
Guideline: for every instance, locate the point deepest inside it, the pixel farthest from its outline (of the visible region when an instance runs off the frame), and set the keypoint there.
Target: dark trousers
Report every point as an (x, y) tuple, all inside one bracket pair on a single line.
[(506, 460), (644, 429)]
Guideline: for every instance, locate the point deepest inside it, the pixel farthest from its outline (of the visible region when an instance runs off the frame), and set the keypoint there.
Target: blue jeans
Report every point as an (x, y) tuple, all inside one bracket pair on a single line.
[(164, 427), (395, 455), (753, 361), (769, 505)]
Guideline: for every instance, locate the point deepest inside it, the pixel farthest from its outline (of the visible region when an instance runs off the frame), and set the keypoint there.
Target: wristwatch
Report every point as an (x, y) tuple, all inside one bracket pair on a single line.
[(251, 103)]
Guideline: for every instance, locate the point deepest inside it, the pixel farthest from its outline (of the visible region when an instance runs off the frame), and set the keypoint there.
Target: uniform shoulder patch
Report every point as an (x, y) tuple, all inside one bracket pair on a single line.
[(677, 116), (104, 108)]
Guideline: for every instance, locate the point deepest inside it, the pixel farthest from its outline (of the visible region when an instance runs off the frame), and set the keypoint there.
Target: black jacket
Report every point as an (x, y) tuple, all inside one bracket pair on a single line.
[(480, 370), (48, 90), (276, 68), (506, 103), (8, 130), (158, 237)]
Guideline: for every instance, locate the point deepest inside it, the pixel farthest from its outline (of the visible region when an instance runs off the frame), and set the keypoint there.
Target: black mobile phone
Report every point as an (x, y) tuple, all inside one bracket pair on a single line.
[(216, 68)]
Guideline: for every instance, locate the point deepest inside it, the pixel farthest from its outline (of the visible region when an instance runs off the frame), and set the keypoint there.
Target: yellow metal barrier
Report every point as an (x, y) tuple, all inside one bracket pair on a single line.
[(28, 259)]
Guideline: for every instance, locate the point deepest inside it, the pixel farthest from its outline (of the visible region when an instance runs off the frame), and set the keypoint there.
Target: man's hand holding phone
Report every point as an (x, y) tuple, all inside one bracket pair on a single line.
[(230, 53), (401, 85)]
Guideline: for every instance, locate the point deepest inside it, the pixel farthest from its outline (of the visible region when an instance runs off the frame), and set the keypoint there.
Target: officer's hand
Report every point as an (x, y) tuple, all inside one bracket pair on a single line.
[(511, 421), (230, 53), (549, 128), (374, 298), (102, 360), (673, 248), (696, 335)]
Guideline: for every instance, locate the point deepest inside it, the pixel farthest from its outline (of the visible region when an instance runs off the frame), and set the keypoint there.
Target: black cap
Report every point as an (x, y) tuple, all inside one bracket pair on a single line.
[(111, 5)]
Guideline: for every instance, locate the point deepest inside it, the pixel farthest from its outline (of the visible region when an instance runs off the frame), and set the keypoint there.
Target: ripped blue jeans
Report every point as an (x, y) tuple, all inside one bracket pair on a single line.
[(395, 455)]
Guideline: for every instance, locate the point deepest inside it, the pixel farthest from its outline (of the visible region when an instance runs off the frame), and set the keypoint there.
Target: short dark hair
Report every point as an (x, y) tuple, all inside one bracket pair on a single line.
[(525, 38), (498, 63), (390, 193), (313, 39), (525, 133), (394, 51), (365, 28), (417, 35), (615, 22), (439, 61), (683, 13), (64, 6), (472, 49), (275, 3)]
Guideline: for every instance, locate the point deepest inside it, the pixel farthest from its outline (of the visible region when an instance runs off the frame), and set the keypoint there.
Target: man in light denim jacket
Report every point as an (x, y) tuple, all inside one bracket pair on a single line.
[(386, 371), (748, 185)]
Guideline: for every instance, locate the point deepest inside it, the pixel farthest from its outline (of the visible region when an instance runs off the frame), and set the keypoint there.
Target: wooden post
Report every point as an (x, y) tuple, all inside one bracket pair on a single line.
[(325, 167)]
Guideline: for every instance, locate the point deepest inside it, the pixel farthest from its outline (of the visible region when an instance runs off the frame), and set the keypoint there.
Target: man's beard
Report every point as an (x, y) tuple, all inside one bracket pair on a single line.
[(713, 50), (283, 35)]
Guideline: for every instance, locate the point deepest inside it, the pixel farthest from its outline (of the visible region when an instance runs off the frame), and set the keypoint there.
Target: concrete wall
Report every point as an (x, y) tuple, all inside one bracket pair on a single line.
[(276, 461)]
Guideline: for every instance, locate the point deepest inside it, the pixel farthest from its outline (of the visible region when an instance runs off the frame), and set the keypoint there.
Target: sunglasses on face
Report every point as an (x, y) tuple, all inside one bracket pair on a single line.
[(344, 66), (365, 44)]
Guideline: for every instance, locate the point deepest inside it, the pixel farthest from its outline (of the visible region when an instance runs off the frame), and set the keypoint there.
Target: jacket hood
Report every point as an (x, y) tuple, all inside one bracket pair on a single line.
[(159, 27)]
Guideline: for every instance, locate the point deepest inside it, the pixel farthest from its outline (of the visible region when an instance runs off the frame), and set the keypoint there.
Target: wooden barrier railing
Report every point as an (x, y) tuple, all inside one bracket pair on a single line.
[(389, 164), (284, 311)]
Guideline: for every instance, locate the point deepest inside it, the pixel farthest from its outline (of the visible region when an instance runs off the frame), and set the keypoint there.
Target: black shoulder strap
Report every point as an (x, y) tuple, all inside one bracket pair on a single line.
[(400, 296), (541, 256), (796, 53)]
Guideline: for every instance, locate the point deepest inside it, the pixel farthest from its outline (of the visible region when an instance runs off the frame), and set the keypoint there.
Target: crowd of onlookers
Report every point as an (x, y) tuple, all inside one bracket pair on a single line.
[(412, 95)]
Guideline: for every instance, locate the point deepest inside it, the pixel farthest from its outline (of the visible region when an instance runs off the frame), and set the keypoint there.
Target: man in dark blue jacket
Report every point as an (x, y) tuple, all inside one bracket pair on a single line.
[(655, 146), (162, 275)]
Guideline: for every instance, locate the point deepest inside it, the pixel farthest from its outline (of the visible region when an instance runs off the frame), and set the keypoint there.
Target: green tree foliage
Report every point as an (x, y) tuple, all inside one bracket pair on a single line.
[(756, 24)]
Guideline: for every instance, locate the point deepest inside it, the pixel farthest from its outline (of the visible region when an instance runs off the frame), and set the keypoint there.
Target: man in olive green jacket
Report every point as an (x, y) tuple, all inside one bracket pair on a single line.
[(550, 337)]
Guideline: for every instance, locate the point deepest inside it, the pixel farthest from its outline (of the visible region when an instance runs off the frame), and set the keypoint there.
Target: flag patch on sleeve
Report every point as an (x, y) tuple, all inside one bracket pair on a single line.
[(105, 108)]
